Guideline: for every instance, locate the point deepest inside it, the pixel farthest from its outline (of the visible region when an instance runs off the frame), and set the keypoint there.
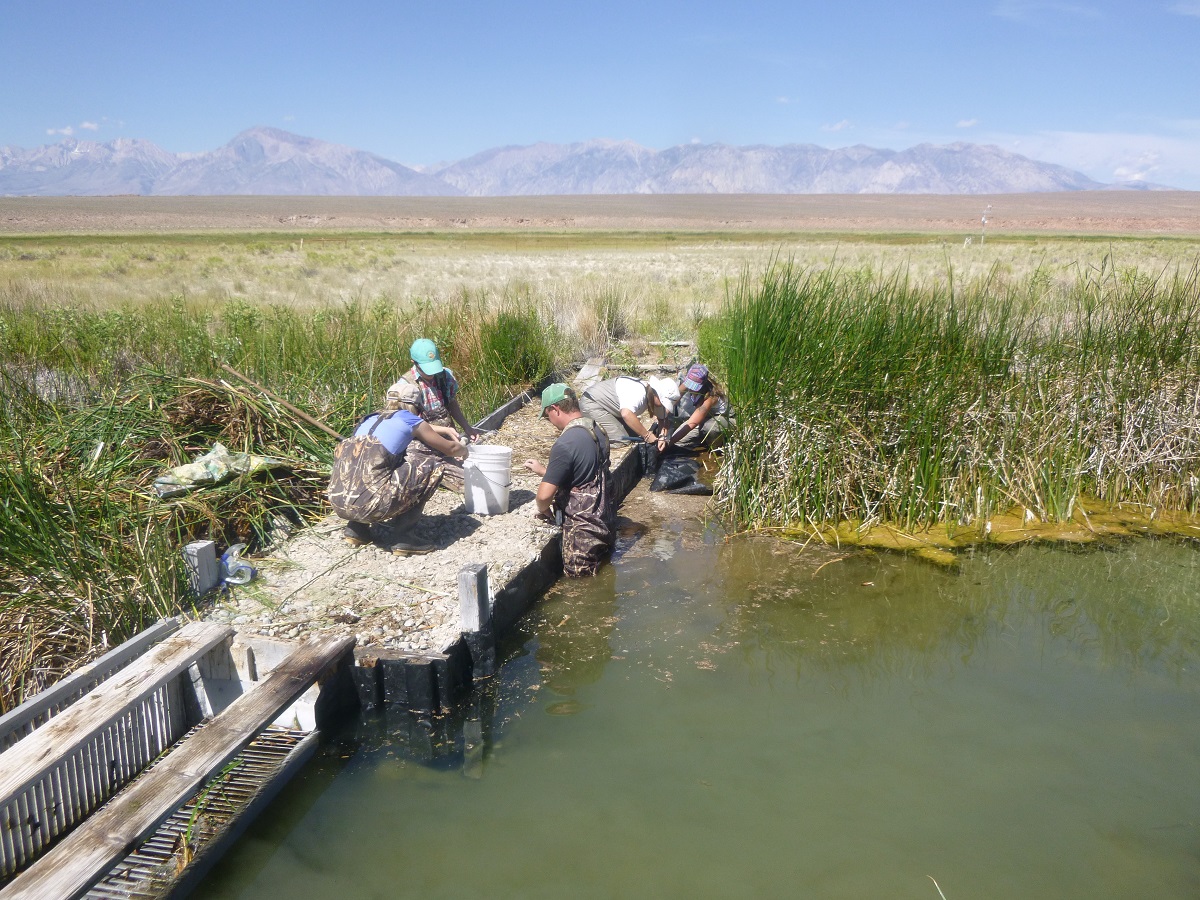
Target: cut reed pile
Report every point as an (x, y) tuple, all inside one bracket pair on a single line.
[(868, 398), (95, 404)]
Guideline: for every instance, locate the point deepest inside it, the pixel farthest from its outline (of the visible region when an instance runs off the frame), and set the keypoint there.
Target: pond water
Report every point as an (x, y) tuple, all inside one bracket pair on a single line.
[(712, 718)]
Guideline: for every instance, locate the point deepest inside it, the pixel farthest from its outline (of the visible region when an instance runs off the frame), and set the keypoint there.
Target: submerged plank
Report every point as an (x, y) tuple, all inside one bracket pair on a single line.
[(114, 831)]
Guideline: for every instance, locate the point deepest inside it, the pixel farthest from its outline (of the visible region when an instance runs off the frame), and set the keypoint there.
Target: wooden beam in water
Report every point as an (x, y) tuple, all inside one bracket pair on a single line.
[(114, 831)]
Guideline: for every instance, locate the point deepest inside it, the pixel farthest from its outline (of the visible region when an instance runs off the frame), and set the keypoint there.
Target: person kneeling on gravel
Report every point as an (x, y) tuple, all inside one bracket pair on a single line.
[(374, 479), (576, 482)]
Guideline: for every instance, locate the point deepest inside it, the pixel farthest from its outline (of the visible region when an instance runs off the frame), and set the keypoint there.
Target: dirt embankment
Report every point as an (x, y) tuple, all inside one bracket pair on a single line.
[(1175, 213)]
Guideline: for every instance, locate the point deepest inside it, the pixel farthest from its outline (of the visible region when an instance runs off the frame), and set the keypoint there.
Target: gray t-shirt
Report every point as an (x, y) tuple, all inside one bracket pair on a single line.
[(575, 458)]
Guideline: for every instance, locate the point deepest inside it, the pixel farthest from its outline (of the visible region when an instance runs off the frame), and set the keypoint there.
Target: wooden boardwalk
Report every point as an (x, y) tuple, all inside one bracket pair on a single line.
[(75, 793)]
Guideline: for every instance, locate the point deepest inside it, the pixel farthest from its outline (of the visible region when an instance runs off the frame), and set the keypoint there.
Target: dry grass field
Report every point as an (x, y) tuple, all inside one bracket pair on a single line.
[(666, 259), (1168, 213)]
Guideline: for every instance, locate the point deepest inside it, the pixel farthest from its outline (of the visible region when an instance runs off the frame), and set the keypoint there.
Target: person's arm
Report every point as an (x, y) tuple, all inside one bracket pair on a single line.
[(658, 411), (438, 442), (695, 420), (702, 411), (630, 418), (535, 467), (447, 432), (545, 497), (456, 414)]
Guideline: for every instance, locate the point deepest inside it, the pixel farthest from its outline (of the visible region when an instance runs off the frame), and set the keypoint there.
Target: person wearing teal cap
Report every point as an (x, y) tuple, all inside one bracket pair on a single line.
[(439, 403), (577, 483)]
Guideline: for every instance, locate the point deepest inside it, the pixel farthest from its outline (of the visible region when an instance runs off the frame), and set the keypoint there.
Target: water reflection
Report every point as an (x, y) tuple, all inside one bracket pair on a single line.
[(714, 718), (879, 616)]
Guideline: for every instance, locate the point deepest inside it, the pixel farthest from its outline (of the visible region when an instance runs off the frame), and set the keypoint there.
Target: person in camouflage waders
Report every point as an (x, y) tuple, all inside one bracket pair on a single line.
[(374, 479), (577, 483)]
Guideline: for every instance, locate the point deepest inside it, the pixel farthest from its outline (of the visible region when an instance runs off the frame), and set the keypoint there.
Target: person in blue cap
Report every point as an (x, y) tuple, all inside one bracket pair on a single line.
[(438, 404)]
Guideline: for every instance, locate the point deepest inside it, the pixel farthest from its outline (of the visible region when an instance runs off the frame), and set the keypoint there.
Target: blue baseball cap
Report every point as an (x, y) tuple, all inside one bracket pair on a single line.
[(425, 354)]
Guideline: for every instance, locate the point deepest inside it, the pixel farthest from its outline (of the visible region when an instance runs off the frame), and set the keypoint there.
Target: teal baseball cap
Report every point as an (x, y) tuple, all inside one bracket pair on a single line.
[(553, 394), (425, 354)]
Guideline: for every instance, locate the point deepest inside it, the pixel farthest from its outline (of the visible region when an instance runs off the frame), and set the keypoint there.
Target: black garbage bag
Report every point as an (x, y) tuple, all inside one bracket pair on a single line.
[(677, 475)]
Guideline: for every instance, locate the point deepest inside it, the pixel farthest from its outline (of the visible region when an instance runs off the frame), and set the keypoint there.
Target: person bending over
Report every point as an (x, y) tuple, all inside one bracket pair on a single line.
[(616, 405)]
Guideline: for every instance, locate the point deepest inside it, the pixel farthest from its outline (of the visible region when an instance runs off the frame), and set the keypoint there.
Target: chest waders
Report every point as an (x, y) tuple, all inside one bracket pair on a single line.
[(370, 484)]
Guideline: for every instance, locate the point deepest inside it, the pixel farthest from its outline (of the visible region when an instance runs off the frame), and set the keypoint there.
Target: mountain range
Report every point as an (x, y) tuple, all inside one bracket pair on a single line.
[(270, 161)]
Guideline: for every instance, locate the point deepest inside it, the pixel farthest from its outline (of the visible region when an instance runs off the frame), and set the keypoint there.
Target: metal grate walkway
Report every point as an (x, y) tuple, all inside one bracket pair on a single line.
[(154, 869)]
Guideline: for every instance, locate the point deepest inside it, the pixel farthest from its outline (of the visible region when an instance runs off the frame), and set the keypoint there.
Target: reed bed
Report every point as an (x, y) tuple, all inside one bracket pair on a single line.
[(94, 404), (870, 398), (967, 380)]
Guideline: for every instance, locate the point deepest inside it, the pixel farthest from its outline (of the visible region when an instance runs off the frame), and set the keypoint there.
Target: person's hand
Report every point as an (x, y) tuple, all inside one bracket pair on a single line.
[(460, 449), (535, 467), (473, 434)]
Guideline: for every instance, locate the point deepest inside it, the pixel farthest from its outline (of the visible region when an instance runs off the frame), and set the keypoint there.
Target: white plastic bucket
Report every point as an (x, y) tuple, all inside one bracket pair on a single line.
[(487, 476)]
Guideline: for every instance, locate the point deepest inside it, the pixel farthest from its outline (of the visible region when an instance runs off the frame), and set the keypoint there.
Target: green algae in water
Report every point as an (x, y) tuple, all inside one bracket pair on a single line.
[(756, 721)]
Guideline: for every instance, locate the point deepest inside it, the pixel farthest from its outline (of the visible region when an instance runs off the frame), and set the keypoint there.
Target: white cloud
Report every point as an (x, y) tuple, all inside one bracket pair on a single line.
[(837, 126), (783, 100), (90, 126), (1191, 8), (65, 132), (966, 123), (1171, 157)]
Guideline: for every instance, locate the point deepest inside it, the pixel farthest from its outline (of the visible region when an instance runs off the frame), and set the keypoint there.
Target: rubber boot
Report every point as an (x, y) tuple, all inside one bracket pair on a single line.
[(356, 534), (403, 537)]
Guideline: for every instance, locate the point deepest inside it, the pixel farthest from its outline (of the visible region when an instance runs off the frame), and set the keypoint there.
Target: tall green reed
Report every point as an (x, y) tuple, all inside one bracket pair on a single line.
[(94, 404), (862, 396)]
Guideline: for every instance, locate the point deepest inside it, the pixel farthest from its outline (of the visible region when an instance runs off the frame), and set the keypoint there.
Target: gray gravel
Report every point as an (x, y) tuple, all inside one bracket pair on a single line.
[(315, 583)]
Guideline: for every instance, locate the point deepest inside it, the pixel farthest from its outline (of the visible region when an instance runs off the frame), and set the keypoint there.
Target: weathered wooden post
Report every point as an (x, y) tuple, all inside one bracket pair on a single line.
[(203, 571), (475, 614)]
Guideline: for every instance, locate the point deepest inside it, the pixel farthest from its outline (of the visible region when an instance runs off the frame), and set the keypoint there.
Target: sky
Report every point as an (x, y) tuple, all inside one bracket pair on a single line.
[(1111, 89)]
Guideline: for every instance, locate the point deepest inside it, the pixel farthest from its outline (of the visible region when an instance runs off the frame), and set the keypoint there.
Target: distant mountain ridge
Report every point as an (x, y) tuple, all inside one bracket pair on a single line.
[(271, 161)]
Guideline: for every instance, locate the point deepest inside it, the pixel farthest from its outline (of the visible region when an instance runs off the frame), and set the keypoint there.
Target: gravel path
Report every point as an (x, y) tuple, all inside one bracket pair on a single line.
[(315, 583)]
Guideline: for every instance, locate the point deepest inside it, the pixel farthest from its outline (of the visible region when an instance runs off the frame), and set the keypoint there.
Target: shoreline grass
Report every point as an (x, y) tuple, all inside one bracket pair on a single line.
[(95, 404), (881, 379), (876, 399)]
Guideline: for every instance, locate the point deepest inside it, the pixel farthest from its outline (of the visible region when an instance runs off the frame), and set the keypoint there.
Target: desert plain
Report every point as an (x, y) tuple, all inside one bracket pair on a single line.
[(1094, 213)]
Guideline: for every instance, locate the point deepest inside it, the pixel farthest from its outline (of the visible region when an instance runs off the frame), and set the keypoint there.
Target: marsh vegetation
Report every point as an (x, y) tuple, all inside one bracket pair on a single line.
[(868, 397), (877, 378)]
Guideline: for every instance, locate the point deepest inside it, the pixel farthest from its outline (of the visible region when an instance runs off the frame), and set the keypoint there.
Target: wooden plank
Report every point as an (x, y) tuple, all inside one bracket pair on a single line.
[(115, 830), (48, 702), (474, 605), (30, 758)]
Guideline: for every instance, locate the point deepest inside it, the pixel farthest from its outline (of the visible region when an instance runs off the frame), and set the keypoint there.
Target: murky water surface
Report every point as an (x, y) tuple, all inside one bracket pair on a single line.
[(710, 719)]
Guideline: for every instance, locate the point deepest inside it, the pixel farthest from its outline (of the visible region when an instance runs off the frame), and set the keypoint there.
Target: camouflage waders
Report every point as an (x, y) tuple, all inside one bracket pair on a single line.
[(589, 527), (371, 485), (454, 477)]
